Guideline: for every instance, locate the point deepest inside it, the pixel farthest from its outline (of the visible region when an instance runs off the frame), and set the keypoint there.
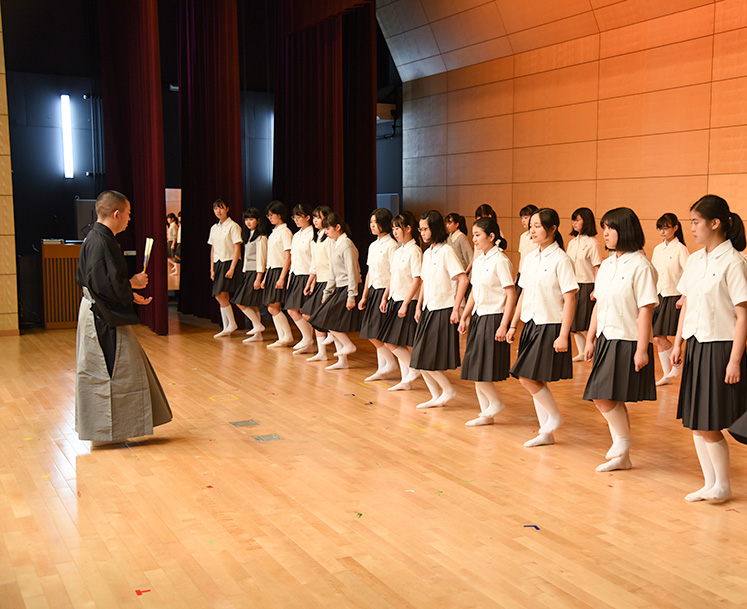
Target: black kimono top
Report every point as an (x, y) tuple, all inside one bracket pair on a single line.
[(103, 270)]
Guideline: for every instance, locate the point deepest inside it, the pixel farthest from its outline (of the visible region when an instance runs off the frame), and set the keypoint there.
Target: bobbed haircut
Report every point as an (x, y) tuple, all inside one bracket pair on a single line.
[(587, 217), (436, 225), (301, 210), (220, 203), (485, 211), (321, 211), (405, 219), (669, 220), (713, 207), (490, 227), (528, 210), (279, 208), (383, 219), (334, 219), (459, 220), (550, 221), (629, 232), (110, 201), (261, 229), (172, 216)]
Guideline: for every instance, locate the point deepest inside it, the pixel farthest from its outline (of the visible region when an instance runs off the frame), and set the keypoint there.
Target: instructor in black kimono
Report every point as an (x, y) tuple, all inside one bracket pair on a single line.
[(117, 393)]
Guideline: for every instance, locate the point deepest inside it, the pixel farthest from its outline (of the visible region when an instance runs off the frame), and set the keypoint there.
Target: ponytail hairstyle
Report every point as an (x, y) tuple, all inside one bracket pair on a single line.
[(320, 211), (276, 207), (173, 217), (436, 225), (383, 219), (485, 211), (261, 229), (405, 219), (712, 207), (490, 226), (629, 232), (670, 220), (550, 221), (528, 210), (587, 217), (459, 220), (333, 219)]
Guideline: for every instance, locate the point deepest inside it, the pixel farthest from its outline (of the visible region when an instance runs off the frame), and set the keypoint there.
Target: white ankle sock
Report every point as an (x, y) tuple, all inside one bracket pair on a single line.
[(547, 401), (229, 323), (447, 390), (253, 316), (666, 365), (619, 425), (495, 403), (434, 389), (283, 328), (321, 354), (344, 345), (719, 455), (307, 332), (580, 339)]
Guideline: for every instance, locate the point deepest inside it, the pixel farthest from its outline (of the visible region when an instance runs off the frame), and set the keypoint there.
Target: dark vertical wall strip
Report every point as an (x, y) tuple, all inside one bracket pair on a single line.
[(133, 128), (210, 132)]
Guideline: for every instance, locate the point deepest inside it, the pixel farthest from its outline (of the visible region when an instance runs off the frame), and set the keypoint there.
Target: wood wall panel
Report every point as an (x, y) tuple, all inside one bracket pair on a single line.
[(572, 85), (730, 54), (733, 187), (676, 65), (555, 163), (425, 141), (553, 57), (479, 24), (572, 28), (424, 111), (494, 133), (730, 15), (728, 103), (401, 16), (564, 197), (7, 226), (575, 123), (728, 150), (465, 199), (494, 99), (627, 12), (477, 53), (482, 74), (7, 255), (424, 171), (652, 197), (671, 110), (440, 9), (424, 87), (8, 290), (421, 68), (492, 167), (518, 16)]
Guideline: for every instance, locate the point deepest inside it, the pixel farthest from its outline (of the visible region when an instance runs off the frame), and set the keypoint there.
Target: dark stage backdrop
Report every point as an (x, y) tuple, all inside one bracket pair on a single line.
[(325, 108), (133, 134), (210, 138)]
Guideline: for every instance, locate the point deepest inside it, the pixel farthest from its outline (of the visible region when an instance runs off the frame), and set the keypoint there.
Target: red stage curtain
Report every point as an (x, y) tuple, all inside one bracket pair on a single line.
[(133, 134), (210, 138), (325, 107)]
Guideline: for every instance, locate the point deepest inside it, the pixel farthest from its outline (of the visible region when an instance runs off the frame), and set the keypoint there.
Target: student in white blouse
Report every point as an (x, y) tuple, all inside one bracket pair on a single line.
[(493, 298), (669, 260), (456, 226), (225, 253), (584, 252), (623, 368), (546, 307), (436, 346), (299, 275), (526, 245), (377, 278), (276, 277), (713, 392), (318, 277), (400, 298), (338, 312), (248, 296)]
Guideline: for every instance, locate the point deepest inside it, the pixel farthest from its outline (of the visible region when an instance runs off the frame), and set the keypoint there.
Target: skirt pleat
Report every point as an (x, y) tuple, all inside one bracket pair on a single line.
[(314, 301), (294, 298), (666, 316), (335, 316), (436, 345), (613, 376), (584, 307), (396, 330), (537, 359), (221, 283), (486, 359), (272, 294), (706, 402), (372, 318), (246, 295)]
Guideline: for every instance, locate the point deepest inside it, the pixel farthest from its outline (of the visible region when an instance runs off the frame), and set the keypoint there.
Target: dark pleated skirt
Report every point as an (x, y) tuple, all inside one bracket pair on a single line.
[(334, 315), (706, 402), (485, 359), (246, 295), (537, 359), (221, 283), (613, 376), (516, 285), (314, 301), (436, 345), (666, 316), (272, 294), (372, 319), (294, 298), (396, 330), (584, 307)]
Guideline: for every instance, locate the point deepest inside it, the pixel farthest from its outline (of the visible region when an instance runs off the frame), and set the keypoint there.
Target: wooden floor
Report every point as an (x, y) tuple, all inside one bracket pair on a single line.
[(365, 502)]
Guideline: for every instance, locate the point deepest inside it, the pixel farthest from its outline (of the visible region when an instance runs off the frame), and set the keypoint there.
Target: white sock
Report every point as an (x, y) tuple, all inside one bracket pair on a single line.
[(580, 338), (495, 403), (283, 328), (343, 343), (229, 323), (307, 332), (340, 364), (433, 387), (666, 365), (719, 455), (253, 316), (386, 364), (547, 401), (447, 391), (709, 475), (619, 425), (482, 399), (321, 354)]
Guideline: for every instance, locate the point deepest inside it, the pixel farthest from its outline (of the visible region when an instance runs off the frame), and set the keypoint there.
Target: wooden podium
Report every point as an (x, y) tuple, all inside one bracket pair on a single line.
[(61, 294)]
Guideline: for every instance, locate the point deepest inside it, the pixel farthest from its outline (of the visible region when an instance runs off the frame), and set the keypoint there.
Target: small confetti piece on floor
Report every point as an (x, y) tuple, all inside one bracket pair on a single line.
[(209, 486), (267, 438), (248, 423), (531, 526), (368, 403), (467, 480), (439, 492), (610, 486), (227, 397), (733, 510), (27, 439), (46, 476), (409, 490), (346, 394), (358, 515), (211, 543), (141, 592)]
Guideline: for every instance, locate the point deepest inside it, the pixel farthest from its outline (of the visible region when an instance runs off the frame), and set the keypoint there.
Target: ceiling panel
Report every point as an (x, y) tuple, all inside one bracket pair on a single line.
[(401, 16), (468, 28)]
